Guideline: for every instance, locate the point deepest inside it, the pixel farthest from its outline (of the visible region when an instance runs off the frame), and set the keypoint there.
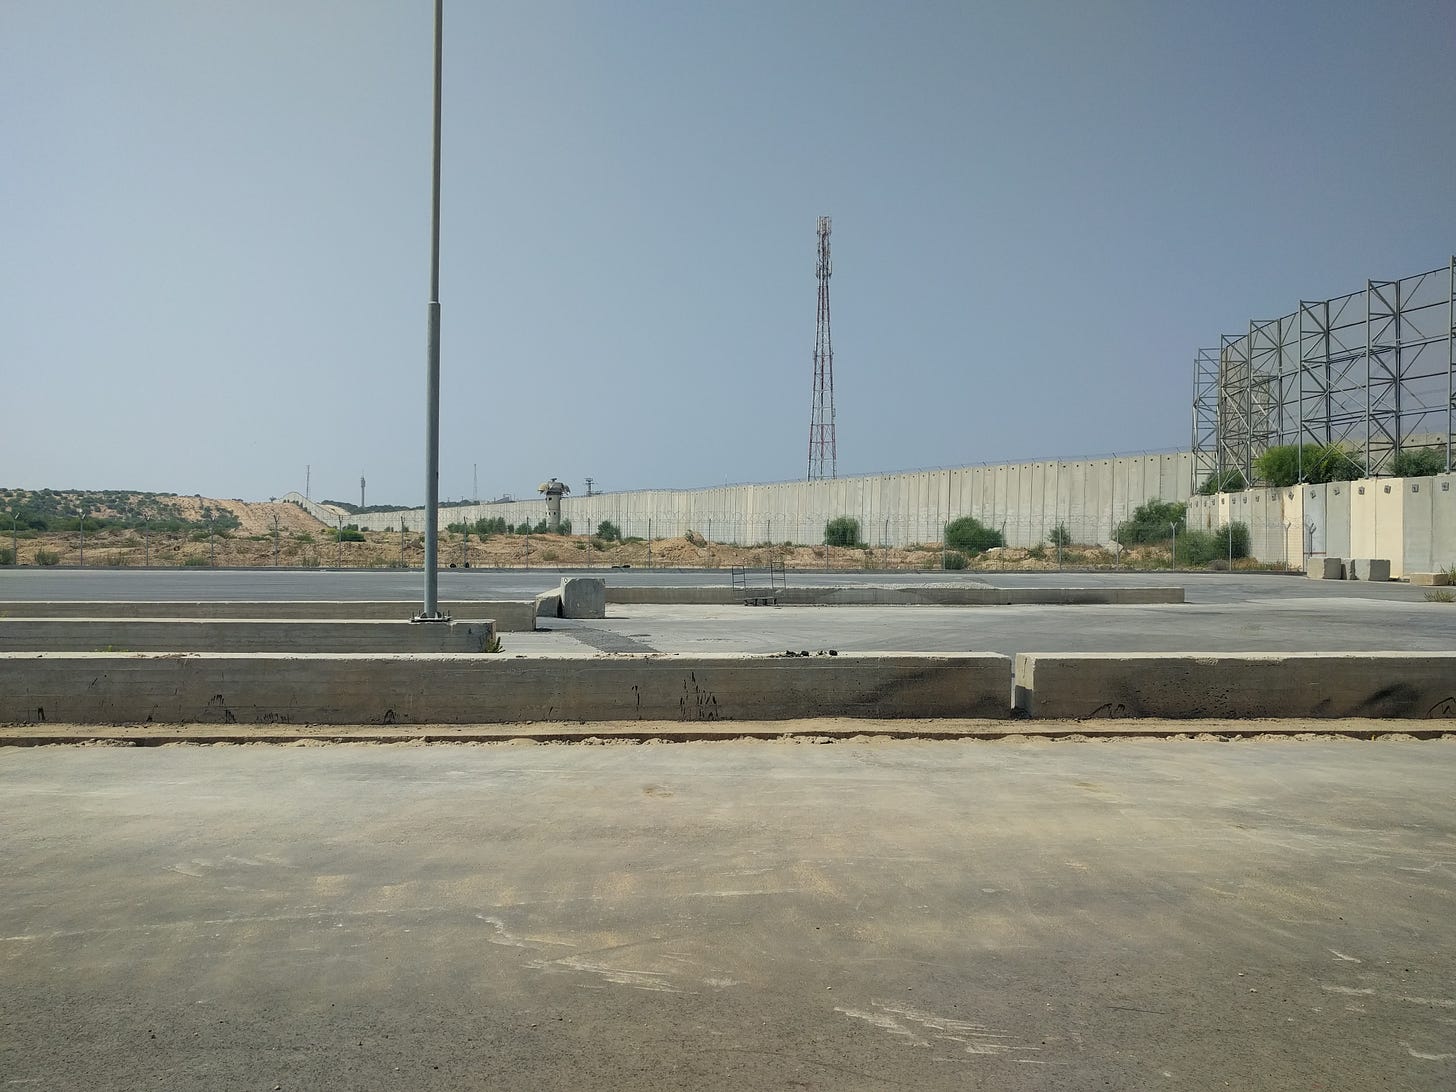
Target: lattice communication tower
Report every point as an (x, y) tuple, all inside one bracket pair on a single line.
[(823, 451)]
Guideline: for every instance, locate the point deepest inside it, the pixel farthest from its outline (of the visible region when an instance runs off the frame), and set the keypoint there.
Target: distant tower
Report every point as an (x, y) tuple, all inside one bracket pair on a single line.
[(361, 490), (823, 451)]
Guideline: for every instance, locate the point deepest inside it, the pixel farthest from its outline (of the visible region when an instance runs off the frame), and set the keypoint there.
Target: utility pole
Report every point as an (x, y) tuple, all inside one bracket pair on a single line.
[(361, 491), (308, 481), (431, 611)]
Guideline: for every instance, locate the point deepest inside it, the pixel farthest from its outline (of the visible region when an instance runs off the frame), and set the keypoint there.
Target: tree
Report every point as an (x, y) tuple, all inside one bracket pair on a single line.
[(1060, 536), (842, 531), (608, 531), (971, 536)]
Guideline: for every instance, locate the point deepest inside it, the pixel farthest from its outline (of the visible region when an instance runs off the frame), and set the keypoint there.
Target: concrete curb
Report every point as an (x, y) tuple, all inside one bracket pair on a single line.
[(1200, 685), (265, 688)]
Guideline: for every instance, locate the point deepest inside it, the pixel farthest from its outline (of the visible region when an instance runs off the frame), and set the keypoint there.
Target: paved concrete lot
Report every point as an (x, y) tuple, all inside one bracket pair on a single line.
[(1224, 613), (1266, 625), (1178, 915), (250, 584)]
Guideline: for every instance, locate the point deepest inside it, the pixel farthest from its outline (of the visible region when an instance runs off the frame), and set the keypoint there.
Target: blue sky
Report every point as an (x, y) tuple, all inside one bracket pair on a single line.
[(214, 218)]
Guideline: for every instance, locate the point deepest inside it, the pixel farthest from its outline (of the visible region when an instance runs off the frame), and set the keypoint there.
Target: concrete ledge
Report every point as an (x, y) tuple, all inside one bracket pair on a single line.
[(135, 688), (510, 616), (239, 635), (1429, 580), (1180, 685), (971, 595)]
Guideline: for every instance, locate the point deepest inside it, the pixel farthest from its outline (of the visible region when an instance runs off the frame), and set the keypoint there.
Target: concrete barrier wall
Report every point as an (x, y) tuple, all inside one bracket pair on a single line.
[(128, 688), (912, 595), (510, 616), (1367, 684), (239, 635), (1409, 521), (1024, 500)]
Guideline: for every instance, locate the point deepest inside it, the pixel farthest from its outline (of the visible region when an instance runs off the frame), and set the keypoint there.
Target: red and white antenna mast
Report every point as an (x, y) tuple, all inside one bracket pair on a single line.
[(823, 451)]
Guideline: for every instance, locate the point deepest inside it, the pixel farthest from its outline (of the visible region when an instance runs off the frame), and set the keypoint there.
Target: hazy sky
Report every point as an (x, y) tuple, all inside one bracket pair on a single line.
[(214, 228)]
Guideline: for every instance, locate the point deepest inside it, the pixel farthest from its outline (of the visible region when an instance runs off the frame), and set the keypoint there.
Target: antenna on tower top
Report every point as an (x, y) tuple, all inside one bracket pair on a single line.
[(823, 450)]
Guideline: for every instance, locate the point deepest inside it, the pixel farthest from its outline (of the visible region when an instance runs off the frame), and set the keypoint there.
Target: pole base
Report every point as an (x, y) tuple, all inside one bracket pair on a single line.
[(436, 617)]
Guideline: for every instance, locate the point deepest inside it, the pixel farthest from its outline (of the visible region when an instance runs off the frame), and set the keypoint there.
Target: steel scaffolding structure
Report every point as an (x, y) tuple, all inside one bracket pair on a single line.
[(1205, 416), (1373, 372)]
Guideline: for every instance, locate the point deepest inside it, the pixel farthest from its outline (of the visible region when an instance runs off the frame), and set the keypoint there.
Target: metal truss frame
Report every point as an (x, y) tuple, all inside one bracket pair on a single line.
[(1204, 463), (1373, 371)]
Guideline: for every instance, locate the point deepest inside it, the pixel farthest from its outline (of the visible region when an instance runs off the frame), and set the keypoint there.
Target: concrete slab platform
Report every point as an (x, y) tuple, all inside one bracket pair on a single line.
[(510, 616), (240, 635), (1012, 916)]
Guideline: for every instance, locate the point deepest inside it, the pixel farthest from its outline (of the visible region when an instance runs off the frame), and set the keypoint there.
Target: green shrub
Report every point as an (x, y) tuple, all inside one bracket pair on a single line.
[(1196, 548), (196, 561), (1150, 523), (1037, 552), (971, 536), (1230, 481), (1239, 533), (47, 557), (1284, 465), (842, 531), (954, 559), (1060, 536), (353, 534), (1419, 462), (565, 527), (7, 555)]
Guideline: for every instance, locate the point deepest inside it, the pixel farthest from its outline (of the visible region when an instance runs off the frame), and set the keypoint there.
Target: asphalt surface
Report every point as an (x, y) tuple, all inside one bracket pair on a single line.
[(897, 915)]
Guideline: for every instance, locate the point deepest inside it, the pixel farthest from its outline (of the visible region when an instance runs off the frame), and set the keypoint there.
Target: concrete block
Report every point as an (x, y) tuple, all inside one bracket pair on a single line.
[(266, 688), (1325, 568), (583, 597), (1369, 568), (548, 604), (1430, 580), (1245, 685)]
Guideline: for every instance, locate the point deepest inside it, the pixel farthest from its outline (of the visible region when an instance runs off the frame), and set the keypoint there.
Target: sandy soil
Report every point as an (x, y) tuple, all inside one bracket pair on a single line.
[(302, 541)]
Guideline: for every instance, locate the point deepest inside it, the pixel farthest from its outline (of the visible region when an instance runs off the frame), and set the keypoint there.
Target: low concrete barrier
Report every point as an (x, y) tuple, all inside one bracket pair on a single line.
[(1325, 568), (134, 688), (1430, 580), (510, 616), (959, 595), (1369, 568), (240, 635), (1181, 685)]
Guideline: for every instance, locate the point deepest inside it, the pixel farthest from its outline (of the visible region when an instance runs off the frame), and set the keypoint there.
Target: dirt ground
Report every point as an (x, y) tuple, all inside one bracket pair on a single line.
[(301, 541)]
